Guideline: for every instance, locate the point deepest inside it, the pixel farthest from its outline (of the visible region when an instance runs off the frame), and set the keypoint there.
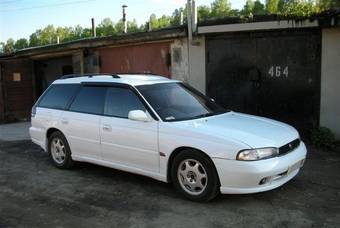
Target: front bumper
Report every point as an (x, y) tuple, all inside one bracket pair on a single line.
[(241, 177)]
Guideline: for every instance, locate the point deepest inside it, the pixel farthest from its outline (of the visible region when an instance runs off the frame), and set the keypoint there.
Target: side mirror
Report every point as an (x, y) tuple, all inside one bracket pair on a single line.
[(138, 115)]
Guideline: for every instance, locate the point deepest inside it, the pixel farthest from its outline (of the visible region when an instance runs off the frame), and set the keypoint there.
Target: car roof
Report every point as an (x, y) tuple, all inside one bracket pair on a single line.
[(130, 79)]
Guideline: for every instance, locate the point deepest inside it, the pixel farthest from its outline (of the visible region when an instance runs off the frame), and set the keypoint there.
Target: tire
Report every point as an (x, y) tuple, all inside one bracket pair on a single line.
[(194, 176), (59, 151)]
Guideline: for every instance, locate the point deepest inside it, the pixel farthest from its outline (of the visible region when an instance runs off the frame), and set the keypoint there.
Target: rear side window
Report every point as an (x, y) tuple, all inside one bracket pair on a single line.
[(90, 99), (58, 96), (120, 101)]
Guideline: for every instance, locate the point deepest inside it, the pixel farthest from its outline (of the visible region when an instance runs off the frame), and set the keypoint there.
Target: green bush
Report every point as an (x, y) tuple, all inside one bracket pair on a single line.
[(322, 137)]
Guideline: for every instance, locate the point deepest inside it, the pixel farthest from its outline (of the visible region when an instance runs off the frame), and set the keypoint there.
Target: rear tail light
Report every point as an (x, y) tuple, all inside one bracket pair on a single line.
[(34, 110)]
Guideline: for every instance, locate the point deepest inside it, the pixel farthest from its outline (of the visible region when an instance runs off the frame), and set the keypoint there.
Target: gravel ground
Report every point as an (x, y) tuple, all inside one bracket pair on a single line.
[(33, 193)]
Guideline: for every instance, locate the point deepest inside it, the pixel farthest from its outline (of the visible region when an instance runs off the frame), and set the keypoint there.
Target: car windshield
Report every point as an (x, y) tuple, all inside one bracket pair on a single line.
[(176, 101)]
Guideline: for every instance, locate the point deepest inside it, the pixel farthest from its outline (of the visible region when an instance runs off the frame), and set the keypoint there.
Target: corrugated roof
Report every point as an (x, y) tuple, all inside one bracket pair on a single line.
[(95, 42)]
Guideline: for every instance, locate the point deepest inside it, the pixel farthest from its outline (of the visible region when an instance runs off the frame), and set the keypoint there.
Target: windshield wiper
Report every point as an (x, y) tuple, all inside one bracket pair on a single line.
[(211, 114), (204, 115)]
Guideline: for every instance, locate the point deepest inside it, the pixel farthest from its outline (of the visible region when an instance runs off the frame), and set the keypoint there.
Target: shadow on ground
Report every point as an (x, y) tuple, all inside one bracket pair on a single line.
[(33, 193)]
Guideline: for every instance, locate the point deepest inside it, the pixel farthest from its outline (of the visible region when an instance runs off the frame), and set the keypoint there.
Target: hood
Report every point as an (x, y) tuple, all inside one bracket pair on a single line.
[(254, 131)]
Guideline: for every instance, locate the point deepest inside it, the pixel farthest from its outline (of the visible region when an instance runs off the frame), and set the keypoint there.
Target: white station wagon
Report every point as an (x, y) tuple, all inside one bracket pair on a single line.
[(165, 130)]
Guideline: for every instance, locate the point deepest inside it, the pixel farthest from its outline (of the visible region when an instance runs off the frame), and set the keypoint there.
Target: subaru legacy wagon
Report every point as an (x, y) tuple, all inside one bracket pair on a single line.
[(166, 130)]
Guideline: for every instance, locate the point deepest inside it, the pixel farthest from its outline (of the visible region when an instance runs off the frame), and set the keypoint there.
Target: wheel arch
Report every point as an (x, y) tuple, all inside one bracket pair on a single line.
[(49, 132), (178, 151)]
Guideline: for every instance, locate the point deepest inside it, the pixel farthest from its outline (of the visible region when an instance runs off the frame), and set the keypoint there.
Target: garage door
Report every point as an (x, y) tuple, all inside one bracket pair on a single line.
[(145, 58), (272, 74)]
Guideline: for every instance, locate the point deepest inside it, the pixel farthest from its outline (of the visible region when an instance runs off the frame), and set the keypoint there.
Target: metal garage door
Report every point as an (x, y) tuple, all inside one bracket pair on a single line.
[(272, 74)]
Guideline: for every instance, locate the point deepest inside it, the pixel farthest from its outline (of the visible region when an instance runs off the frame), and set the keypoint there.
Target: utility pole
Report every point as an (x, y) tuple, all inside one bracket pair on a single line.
[(93, 28), (189, 21), (150, 25), (124, 18), (194, 16)]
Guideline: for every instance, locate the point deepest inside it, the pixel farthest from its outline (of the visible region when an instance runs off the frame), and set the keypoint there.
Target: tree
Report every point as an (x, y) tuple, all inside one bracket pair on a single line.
[(34, 39), (248, 8), (48, 35), (87, 32), (299, 8), (176, 17), (327, 4), (153, 22), (258, 8), (64, 34), (217, 9), (221, 8), (163, 21), (132, 26), (21, 44), (106, 28), (272, 6), (2, 47), (203, 12), (119, 27), (9, 46), (158, 23)]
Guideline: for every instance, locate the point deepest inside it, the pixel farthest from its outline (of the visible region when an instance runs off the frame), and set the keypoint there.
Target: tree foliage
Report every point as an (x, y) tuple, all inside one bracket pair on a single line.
[(9, 46), (221, 8), (217, 9), (21, 44)]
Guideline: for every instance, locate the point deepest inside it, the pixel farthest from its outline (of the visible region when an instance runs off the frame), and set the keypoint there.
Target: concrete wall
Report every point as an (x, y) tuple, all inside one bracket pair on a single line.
[(330, 80), (179, 60), (188, 62)]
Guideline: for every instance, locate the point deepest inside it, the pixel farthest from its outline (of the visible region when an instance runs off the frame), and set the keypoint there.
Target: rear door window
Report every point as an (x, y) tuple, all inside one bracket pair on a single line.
[(90, 99), (120, 101), (58, 96)]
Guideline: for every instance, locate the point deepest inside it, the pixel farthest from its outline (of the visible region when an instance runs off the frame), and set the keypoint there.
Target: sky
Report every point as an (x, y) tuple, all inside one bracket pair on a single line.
[(20, 18)]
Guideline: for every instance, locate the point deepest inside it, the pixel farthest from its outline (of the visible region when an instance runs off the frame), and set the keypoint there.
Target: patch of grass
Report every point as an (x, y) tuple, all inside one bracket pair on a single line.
[(322, 137)]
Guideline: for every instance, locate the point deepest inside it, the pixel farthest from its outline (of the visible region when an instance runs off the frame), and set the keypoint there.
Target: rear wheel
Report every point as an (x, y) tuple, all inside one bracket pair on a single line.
[(59, 151), (194, 176)]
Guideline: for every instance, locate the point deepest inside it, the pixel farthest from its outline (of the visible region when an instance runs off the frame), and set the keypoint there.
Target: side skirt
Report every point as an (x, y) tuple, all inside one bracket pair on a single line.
[(125, 168)]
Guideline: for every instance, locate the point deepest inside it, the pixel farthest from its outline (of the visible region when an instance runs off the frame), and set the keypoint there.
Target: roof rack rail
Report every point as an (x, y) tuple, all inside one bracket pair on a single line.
[(87, 75), (146, 72)]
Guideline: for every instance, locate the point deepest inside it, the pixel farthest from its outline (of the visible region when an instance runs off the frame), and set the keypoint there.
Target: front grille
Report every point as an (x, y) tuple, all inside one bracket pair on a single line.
[(285, 149)]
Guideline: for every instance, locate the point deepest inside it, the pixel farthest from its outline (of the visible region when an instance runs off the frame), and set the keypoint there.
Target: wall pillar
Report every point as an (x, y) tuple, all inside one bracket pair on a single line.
[(188, 62), (78, 62), (330, 80)]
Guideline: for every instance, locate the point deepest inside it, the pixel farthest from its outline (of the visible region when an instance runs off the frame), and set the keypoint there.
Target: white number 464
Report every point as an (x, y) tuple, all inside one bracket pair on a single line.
[(278, 71)]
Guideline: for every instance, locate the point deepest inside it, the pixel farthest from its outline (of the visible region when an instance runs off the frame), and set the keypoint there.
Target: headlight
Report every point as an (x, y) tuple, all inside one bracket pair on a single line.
[(257, 154)]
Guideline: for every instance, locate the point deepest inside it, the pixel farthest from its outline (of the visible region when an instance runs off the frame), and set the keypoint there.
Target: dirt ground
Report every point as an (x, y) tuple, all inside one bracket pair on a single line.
[(33, 193)]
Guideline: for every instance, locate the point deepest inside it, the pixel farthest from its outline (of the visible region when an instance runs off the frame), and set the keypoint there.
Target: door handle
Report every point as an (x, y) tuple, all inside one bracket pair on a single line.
[(64, 121), (107, 127)]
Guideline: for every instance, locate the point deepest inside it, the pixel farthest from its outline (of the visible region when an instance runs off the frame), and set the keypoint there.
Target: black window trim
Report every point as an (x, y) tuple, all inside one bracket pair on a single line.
[(96, 84), (110, 84), (76, 94)]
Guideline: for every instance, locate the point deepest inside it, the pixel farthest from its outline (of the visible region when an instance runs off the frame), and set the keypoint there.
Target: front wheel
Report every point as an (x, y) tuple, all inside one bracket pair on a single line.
[(194, 176)]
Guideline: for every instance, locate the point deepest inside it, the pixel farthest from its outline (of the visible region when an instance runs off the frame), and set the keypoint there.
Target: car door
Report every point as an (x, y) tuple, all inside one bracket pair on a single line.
[(127, 142), (81, 122)]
